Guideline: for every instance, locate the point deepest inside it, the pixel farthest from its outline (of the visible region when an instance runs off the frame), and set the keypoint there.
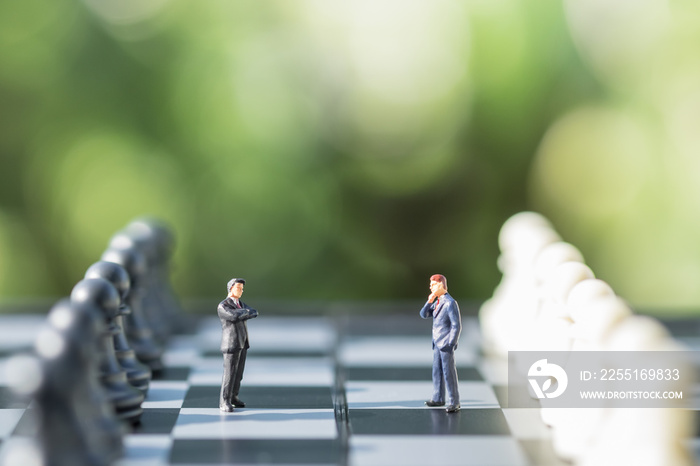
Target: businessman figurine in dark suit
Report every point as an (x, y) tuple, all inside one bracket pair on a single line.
[(447, 325), (234, 343)]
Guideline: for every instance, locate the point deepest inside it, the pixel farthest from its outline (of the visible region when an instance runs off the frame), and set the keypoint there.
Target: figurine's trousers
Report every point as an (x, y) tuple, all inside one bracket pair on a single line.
[(445, 376), (234, 364)]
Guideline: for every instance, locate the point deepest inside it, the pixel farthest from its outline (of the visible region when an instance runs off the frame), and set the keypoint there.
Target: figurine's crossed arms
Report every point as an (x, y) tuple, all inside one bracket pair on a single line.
[(233, 314)]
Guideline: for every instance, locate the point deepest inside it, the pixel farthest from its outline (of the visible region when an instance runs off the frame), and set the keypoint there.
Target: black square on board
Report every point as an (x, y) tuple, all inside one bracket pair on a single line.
[(8, 400), (274, 354), (254, 451), (424, 373), (523, 399), (264, 397), (28, 424), (157, 421), (428, 422), (174, 373)]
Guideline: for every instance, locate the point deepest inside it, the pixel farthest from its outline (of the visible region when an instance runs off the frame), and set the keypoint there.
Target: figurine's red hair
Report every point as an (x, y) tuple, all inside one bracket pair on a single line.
[(439, 278)]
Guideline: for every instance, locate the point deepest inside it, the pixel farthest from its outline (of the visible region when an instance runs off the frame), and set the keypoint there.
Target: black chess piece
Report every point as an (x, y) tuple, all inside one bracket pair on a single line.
[(83, 327), (150, 299), (138, 374), (137, 329), (102, 295), (60, 434), (159, 238), (75, 423)]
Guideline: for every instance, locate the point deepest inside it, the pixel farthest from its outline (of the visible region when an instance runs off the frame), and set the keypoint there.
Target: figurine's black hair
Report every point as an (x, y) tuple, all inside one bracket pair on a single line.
[(232, 282)]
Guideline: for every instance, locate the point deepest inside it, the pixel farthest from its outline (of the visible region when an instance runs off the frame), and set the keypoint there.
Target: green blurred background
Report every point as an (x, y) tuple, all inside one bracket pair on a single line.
[(330, 150)]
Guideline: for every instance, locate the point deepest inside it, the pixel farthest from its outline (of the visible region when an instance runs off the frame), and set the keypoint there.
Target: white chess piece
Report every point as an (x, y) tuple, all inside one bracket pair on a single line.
[(515, 299), (598, 310), (586, 292), (551, 328), (638, 333), (556, 289), (546, 268), (575, 430), (644, 436), (553, 255), (513, 228), (595, 320)]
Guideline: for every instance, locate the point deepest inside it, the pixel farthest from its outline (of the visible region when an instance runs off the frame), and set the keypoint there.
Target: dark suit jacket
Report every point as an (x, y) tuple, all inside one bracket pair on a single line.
[(447, 322), (234, 331)]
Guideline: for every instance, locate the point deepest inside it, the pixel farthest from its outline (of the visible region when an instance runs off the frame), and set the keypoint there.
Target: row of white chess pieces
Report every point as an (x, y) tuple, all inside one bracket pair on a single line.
[(550, 300)]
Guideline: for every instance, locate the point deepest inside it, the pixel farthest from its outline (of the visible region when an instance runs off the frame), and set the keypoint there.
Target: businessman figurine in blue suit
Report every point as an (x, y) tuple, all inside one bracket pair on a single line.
[(447, 325)]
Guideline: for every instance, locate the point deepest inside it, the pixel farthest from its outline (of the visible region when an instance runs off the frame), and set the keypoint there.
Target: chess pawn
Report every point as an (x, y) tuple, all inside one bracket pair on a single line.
[(19, 451), (48, 381), (585, 292), (521, 239), (161, 241), (102, 295), (560, 285), (598, 312), (515, 300), (519, 224), (646, 334), (550, 256), (83, 327), (137, 329), (576, 430), (571, 288), (553, 281), (556, 287), (150, 301), (594, 309), (138, 374), (638, 333), (150, 304), (596, 320), (76, 424), (552, 328), (644, 436), (578, 300), (555, 320), (573, 429)]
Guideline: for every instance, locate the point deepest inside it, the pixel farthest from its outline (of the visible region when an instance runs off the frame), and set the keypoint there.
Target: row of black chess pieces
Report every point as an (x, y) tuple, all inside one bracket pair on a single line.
[(94, 358)]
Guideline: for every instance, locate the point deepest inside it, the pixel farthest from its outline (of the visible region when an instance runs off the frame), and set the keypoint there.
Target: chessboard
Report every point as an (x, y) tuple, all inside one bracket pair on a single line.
[(333, 389)]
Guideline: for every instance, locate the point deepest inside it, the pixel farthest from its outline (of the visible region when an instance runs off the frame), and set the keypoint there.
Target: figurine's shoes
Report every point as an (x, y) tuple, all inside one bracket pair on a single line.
[(434, 403), (226, 407), (453, 408), (237, 403)]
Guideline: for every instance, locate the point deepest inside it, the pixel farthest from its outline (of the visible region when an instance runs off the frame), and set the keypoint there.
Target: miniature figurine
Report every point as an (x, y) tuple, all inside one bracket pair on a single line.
[(234, 343), (447, 326)]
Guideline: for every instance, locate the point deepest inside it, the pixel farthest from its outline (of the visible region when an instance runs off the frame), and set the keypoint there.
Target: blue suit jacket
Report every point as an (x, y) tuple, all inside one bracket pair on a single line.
[(447, 322)]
